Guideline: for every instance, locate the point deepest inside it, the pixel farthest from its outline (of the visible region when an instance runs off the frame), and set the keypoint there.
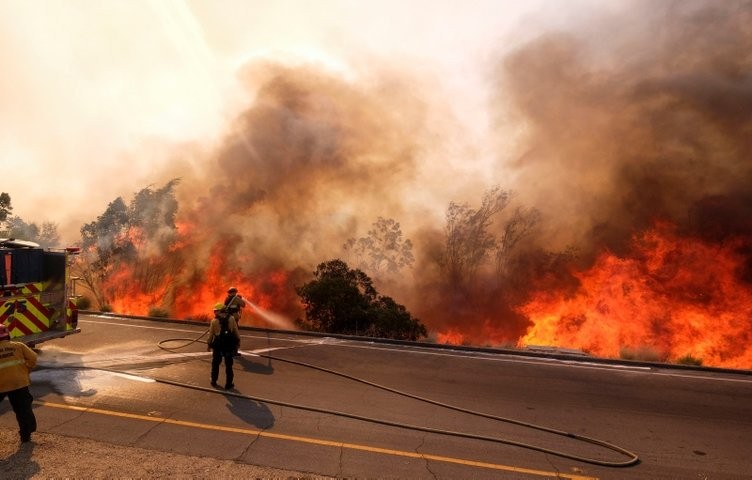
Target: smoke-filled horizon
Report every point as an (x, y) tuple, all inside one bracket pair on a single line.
[(634, 118), (100, 100)]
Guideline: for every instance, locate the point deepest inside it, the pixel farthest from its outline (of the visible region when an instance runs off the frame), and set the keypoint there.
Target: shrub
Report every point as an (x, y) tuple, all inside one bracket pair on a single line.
[(105, 308), (643, 353), (83, 303), (688, 359), (431, 338), (158, 312), (344, 300)]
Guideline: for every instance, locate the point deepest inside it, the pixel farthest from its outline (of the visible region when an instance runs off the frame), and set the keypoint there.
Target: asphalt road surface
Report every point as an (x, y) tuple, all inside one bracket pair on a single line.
[(356, 409)]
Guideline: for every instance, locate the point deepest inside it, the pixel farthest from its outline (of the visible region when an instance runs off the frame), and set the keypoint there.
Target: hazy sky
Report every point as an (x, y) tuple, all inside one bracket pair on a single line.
[(95, 95)]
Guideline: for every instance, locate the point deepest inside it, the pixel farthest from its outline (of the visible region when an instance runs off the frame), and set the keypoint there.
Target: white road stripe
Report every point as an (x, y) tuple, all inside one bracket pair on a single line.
[(495, 357)]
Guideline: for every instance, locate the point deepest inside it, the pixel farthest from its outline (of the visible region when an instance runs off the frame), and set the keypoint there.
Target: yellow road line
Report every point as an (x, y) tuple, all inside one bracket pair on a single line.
[(316, 441)]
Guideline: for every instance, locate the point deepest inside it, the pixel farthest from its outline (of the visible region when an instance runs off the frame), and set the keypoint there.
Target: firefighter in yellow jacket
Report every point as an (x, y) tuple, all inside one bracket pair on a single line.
[(16, 361), (223, 341)]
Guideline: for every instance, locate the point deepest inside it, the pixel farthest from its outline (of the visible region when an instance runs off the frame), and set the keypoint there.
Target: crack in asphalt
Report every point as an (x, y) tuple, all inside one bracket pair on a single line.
[(553, 467), (341, 460), (425, 460)]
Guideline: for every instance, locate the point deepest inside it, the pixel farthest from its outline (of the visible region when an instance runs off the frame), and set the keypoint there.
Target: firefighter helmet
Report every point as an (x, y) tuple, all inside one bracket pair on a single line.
[(219, 306), (232, 290), (4, 332)]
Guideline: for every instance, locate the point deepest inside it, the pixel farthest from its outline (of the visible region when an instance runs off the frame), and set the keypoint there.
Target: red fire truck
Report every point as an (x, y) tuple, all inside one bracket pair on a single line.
[(38, 300)]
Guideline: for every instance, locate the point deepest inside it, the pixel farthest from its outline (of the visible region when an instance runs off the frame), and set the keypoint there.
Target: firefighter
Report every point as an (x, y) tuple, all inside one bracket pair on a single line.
[(223, 342), (16, 361), (234, 303)]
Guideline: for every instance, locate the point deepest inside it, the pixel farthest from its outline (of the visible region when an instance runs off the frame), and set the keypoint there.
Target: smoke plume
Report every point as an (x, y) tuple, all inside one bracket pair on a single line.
[(642, 116)]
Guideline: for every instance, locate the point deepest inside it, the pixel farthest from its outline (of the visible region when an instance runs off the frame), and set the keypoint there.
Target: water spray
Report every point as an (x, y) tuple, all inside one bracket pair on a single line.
[(279, 321)]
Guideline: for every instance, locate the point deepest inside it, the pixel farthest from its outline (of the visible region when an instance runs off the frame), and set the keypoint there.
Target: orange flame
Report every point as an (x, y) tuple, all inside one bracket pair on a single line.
[(127, 299), (173, 282), (681, 296), (450, 337)]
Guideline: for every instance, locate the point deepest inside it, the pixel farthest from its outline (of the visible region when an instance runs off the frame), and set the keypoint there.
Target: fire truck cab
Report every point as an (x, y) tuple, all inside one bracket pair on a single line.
[(38, 297)]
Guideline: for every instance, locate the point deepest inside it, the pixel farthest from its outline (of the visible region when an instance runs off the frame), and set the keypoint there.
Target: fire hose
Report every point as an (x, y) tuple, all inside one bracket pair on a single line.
[(632, 459)]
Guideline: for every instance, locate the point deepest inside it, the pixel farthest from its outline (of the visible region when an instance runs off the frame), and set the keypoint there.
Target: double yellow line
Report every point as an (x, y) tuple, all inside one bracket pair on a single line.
[(316, 441)]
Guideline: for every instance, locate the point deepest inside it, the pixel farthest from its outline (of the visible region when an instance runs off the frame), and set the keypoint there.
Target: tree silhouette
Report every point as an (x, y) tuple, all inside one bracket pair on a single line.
[(468, 240), (5, 206), (383, 249), (519, 226), (46, 235), (103, 244), (392, 320), (343, 300)]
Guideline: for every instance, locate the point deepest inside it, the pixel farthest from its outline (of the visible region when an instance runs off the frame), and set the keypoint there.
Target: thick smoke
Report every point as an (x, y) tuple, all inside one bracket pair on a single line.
[(646, 115), (312, 161), (638, 121), (309, 158), (640, 116)]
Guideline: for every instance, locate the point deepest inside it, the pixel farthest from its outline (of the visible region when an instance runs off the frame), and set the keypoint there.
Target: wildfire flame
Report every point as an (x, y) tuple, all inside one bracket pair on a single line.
[(189, 291), (450, 337), (681, 296)]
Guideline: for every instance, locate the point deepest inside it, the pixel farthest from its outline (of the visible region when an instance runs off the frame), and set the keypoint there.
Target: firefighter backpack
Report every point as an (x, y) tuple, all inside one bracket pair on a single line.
[(225, 341)]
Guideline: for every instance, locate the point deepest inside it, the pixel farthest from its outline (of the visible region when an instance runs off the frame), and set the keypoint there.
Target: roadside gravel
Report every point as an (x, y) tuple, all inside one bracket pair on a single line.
[(51, 456)]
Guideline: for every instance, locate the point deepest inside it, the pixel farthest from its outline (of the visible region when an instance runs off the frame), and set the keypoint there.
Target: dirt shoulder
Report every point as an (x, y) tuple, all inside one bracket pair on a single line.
[(50, 456)]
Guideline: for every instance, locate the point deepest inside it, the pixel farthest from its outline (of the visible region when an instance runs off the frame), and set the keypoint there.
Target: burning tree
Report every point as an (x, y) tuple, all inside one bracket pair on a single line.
[(127, 242), (483, 251), (517, 228), (343, 300), (102, 245), (468, 240)]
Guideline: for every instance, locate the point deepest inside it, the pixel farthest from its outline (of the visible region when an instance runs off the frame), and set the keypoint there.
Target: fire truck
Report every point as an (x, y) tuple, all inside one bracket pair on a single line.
[(38, 300)]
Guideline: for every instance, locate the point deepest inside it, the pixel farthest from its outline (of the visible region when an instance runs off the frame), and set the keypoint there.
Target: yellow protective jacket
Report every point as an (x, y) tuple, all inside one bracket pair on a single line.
[(215, 327), (16, 361)]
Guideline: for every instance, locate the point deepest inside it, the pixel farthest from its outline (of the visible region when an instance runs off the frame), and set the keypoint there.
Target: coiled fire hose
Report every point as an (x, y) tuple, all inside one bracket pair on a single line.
[(632, 459)]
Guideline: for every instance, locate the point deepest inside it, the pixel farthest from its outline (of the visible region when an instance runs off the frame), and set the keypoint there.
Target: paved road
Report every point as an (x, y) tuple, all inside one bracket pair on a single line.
[(113, 382)]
